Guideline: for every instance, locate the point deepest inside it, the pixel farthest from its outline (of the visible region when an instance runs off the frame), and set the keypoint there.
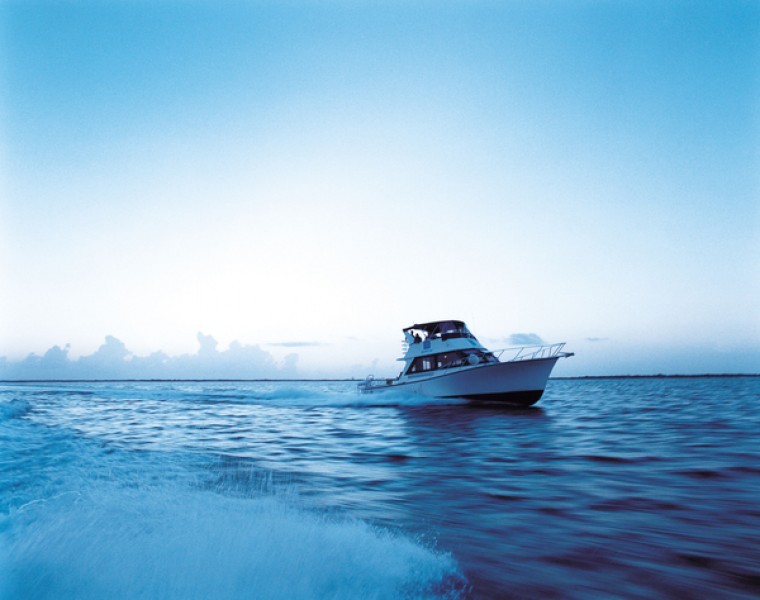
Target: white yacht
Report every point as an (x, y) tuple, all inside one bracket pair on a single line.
[(443, 359)]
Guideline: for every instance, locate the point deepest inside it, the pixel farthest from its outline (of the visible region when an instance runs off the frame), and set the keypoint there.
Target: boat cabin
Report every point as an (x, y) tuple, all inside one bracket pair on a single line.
[(442, 345)]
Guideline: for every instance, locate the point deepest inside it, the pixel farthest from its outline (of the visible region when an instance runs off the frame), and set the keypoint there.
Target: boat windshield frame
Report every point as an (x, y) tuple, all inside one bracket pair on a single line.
[(440, 329)]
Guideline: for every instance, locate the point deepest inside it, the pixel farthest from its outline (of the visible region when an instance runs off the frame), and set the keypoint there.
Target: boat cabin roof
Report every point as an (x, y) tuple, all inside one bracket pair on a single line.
[(441, 327)]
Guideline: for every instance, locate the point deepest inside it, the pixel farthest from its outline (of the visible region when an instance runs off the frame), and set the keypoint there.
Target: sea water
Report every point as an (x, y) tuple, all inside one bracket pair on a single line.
[(631, 488)]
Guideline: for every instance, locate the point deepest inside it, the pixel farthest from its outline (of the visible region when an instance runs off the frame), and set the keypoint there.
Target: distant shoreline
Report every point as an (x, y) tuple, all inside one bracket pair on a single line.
[(661, 376), (579, 377)]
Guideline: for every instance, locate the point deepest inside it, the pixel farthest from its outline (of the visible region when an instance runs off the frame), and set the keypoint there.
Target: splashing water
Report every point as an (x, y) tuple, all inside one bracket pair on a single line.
[(104, 500)]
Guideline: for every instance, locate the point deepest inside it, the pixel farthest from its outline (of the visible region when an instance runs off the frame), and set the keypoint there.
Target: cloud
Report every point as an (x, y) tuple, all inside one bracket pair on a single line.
[(113, 360), (110, 361), (524, 339), (290, 365), (208, 345), (55, 362)]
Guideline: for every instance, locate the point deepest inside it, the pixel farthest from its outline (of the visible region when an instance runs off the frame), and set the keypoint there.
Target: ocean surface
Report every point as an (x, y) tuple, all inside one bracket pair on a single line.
[(608, 488)]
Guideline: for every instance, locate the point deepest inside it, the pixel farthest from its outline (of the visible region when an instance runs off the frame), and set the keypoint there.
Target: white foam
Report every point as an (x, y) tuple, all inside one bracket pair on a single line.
[(13, 409), (117, 542), (348, 397)]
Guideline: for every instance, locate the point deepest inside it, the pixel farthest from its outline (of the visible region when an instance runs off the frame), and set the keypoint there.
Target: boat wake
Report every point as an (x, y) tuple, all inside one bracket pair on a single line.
[(332, 394), (86, 517), (111, 541)]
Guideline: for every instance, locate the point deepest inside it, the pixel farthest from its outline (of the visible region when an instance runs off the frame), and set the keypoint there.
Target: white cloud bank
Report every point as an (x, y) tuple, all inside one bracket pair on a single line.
[(114, 361), (524, 339)]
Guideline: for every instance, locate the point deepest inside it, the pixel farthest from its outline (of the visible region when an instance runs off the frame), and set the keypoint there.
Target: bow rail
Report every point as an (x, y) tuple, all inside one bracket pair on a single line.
[(531, 352)]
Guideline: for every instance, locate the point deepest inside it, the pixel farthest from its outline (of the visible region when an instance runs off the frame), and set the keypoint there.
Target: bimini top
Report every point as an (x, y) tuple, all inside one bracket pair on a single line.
[(443, 329)]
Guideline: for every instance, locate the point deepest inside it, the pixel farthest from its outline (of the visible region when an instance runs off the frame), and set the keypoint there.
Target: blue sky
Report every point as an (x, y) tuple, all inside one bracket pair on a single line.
[(310, 177)]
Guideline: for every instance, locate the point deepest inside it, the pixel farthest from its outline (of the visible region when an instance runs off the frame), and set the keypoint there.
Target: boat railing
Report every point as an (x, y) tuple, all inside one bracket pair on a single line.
[(530, 352), (516, 353)]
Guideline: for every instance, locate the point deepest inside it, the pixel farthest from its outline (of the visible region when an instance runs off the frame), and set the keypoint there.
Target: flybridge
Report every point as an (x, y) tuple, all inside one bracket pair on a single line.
[(437, 330)]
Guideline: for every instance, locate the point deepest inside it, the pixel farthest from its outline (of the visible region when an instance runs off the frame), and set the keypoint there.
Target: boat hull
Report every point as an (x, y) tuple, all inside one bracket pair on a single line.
[(522, 398), (517, 383)]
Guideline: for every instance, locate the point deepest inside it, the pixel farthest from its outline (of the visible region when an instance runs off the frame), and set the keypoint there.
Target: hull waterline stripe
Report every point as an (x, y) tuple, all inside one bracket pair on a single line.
[(524, 398)]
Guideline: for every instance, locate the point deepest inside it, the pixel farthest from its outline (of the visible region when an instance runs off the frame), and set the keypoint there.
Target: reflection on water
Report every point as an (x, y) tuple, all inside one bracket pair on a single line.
[(635, 487)]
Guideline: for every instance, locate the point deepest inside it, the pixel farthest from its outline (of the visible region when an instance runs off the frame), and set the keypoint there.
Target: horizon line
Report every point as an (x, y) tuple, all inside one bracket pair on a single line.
[(308, 379)]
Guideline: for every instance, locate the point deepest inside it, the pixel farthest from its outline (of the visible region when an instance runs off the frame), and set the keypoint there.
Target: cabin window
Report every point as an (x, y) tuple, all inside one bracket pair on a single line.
[(447, 360), (422, 364)]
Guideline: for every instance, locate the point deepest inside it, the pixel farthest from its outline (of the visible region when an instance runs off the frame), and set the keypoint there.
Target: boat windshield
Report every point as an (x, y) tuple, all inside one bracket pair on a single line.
[(449, 329)]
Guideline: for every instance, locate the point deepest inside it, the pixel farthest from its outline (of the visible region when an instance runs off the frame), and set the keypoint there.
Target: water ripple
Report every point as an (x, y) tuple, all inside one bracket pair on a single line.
[(633, 488)]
